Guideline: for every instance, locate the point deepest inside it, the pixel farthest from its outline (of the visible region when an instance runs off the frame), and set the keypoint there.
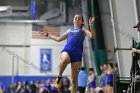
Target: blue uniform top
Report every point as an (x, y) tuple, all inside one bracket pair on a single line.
[(75, 39), (109, 78), (82, 79), (74, 45), (52, 87), (103, 81), (2, 86), (92, 84)]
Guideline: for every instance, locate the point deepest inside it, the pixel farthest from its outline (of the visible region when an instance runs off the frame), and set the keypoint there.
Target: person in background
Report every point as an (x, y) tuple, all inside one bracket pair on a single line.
[(109, 78), (92, 80), (135, 68), (11, 88), (25, 87), (18, 87), (52, 87), (82, 80), (103, 79), (136, 50), (33, 88), (47, 85), (2, 88), (66, 85), (116, 70), (99, 90)]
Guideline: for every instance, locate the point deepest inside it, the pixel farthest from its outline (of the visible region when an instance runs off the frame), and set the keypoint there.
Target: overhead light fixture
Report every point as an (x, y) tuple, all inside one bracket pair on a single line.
[(4, 8)]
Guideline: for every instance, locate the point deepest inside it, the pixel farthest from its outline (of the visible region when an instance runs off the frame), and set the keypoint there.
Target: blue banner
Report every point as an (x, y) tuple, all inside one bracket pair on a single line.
[(45, 60), (33, 9)]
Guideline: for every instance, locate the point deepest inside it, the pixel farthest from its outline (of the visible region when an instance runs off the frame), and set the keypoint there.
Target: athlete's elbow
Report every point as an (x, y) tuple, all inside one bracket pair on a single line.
[(91, 36), (58, 40)]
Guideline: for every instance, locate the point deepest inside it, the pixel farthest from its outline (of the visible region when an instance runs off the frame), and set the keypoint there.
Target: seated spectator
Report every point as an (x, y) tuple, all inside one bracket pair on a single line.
[(66, 85), (25, 87), (2, 89), (11, 88), (33, 88), (98, 90), (53, 89), (18, 87), (41, 86), (47, 86)]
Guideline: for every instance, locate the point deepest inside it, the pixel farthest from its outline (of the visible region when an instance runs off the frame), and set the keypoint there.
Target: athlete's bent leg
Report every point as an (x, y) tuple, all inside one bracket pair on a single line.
[(65, 60), (63, 64)]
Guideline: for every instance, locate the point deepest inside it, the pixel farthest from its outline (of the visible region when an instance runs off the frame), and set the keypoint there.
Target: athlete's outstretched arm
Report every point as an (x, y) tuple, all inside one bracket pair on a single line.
[(90, 33), (60, 38), (45, 33)]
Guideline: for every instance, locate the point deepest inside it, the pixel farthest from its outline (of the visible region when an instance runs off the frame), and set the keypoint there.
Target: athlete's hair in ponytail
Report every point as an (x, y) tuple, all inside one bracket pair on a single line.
[(83, 25)]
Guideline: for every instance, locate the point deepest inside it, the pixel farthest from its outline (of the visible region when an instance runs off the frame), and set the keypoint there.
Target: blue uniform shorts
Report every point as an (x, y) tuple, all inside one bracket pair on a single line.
[(92, 85), (75, 55)]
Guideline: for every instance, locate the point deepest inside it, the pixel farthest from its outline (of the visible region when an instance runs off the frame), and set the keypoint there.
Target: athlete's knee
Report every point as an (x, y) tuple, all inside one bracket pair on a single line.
[(65, 61), (74, 81)]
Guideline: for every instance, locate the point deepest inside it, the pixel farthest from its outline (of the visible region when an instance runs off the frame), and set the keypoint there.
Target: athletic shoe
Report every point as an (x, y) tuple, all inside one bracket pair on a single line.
[(57, 82)]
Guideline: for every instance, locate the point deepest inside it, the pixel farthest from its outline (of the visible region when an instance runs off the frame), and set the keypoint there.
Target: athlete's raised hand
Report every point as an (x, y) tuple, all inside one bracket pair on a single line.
[(91, 20), (44, 31)]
